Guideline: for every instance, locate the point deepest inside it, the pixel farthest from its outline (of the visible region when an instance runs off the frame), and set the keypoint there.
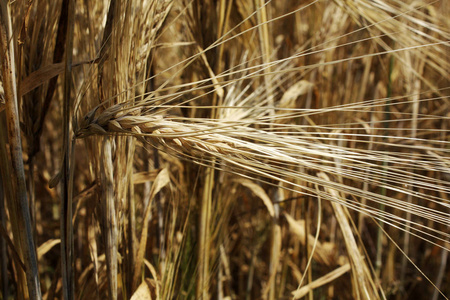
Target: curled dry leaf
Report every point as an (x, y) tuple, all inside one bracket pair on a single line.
[(260, 193), (323, 254), (40, 76), (298, 89), (321, 281), (46, 246), (143, 177), (146, 291)]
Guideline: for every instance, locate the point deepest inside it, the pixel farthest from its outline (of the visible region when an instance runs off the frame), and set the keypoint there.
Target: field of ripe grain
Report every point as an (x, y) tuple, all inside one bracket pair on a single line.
[(254, 149)]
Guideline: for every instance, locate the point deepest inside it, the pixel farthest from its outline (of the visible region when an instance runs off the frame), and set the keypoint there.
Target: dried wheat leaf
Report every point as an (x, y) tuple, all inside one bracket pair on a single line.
[(260, 193), (43, 74), (15, 254), (298, 89), (297, 227), (55, 180), (81, 198), (143, 177), (275, 256), (219, 89), (46, 246), (20, 200), (161, 180), (323, 254), (145, 291), (156, 280), (40, 76), (321, 281), (363, 277), (93, 251)]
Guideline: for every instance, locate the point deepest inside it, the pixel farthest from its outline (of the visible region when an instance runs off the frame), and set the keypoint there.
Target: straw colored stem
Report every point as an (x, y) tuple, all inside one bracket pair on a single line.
[(66, 196), (13, 213), (110, 222), (15, 144), (204, 236), (3, 249)]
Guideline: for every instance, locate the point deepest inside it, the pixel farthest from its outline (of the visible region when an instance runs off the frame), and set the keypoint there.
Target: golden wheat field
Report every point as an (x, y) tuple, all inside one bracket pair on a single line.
[(252, 149)]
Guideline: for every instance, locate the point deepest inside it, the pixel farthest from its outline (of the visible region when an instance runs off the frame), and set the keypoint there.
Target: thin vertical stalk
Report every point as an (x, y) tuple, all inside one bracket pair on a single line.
[(204, 236), (275, 249), (266, 48), (251, 274), (21, 62), (444, 252), (130, 230), (58, 56), (3, 251), (66, 197), (220, 279), (110, 222), (160, 212), (265, 43), (414, 123), (307, 251), (371, 124), (379, 257), (32, 195), (15, 143), (440, 274), (5, 168), (106, 41)]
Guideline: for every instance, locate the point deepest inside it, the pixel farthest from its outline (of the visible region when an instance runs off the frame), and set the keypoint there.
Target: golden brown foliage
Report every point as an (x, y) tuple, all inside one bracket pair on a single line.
[(225, 149)]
